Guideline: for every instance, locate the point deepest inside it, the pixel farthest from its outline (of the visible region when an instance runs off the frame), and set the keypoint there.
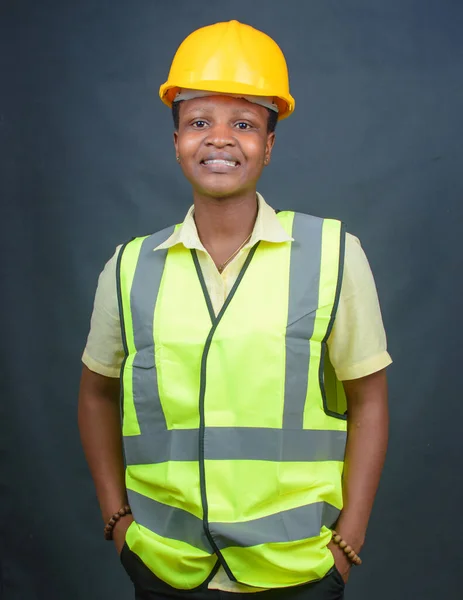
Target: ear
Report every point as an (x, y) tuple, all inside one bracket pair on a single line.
[(269, 147), (176, 142)]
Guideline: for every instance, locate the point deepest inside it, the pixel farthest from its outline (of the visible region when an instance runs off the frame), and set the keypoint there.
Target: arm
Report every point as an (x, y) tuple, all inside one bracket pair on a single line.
[(367, 434), (100, 432)]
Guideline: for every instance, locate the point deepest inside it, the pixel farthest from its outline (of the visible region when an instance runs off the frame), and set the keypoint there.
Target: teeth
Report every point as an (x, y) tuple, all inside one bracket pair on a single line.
[(218, 161)]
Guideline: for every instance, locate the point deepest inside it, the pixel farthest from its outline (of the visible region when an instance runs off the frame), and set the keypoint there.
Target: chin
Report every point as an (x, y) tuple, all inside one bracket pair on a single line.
[(219, 191)]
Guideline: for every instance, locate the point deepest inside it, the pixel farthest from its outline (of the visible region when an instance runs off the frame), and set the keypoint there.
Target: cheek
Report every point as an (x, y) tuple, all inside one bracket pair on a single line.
[(188, 146), (254, 150)]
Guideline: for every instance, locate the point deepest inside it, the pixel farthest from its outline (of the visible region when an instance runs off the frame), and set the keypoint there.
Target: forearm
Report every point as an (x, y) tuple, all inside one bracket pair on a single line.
[(367, 435), (100, 432)]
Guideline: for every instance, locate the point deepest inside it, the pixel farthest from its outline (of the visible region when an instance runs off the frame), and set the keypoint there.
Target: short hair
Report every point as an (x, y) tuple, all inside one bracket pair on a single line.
[(271, 123)]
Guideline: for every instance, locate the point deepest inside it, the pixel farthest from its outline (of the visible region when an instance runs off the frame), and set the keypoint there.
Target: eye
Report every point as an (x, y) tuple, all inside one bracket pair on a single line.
[(199, 124), (243, 125)]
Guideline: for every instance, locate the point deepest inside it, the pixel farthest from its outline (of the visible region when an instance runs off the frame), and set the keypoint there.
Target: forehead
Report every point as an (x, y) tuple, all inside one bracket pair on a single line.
[(222, 104)]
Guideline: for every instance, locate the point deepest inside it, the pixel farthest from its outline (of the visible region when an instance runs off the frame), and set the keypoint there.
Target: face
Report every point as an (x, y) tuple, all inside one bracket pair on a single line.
[(223, 145)]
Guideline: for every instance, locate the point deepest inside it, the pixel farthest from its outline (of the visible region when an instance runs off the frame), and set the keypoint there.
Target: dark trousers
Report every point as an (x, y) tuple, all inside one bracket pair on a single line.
[(149, 587)]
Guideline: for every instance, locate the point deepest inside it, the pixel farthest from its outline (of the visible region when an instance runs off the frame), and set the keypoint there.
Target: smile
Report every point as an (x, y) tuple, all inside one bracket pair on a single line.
[(220, 162)]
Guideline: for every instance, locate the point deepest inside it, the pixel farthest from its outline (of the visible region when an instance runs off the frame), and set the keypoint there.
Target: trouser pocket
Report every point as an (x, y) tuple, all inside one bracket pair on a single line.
[(331, 587), (142, 578)]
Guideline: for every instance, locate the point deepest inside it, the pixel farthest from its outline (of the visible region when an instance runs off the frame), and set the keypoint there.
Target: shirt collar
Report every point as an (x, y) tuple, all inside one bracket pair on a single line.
[(267, 228)]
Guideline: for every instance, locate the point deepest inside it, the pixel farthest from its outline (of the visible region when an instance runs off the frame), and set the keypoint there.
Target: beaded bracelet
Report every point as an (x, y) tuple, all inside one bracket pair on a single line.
[(122, 512), (351, 554)]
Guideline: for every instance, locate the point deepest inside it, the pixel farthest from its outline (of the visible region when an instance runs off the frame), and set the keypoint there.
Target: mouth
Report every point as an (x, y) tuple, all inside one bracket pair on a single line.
[(220, 165)]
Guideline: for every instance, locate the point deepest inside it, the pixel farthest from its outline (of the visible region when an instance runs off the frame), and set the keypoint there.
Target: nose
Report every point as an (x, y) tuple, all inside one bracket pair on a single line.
[(220, 136)]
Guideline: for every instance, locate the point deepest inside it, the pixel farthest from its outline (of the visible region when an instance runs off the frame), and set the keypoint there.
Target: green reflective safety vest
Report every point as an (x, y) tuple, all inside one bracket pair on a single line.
[(234, 424)]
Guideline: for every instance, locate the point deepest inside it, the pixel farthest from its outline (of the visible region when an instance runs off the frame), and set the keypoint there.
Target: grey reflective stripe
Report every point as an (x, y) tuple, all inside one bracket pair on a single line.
[(286, 526), (143, 296), (278, 445), (304, 283), (168, 521), (236, 443), (162, 446)]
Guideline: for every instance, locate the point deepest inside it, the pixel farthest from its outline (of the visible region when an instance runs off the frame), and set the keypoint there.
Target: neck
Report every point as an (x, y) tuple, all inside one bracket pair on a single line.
[(227, 220)]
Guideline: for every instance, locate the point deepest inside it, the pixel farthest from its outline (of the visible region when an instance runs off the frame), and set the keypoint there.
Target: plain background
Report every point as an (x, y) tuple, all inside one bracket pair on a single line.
[(86, 162)]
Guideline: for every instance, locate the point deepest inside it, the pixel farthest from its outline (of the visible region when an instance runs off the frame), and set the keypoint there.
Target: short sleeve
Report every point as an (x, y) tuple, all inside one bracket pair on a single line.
[(104, 351), (357, 344)]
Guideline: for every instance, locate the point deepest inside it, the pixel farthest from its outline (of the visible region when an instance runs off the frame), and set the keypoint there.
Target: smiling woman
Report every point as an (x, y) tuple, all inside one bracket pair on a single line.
[(222, 144), (236, 325)]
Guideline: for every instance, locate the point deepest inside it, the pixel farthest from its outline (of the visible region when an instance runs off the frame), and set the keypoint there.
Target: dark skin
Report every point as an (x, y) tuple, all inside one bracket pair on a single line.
[(231, 129), (224, 128), (100, 432), (367, 437)]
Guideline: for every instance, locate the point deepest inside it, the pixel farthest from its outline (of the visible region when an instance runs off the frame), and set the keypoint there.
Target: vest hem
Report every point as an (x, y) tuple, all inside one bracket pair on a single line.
[(141, 575)]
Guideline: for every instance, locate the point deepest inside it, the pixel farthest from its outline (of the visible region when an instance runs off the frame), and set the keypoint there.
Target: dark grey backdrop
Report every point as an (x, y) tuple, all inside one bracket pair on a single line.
[(86, 162)]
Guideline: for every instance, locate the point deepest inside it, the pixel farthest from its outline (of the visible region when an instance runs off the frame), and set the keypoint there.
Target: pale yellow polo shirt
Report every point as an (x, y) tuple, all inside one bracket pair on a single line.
[(357, 344)]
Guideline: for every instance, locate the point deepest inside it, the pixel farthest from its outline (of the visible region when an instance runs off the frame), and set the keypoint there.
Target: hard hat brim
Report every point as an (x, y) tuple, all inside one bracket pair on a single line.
[(286, 104)]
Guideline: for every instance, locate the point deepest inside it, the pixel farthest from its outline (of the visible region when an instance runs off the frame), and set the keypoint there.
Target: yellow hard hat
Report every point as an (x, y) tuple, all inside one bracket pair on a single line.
[(230, 58)]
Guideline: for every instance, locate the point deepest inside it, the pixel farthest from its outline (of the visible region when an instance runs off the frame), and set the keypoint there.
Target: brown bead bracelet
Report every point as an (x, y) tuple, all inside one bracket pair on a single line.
[(122, 512), (351, 554)]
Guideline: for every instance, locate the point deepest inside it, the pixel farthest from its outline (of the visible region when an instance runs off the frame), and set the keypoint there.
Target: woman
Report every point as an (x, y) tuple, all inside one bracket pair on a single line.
[(252, 358)]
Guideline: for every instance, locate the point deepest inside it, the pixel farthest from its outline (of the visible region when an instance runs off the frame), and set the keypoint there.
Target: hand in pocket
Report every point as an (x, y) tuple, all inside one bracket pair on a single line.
[(120, 530), (341, 562)]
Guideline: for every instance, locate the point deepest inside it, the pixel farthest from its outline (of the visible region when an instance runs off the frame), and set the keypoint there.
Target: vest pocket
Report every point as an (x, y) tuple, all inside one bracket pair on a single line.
[(334, 397)]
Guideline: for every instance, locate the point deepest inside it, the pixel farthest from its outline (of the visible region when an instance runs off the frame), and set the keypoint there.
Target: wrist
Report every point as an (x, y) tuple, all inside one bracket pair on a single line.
[(351, 532), (112, 506), (124, 519), (354, 540), (349, 552), (117, 516)]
